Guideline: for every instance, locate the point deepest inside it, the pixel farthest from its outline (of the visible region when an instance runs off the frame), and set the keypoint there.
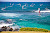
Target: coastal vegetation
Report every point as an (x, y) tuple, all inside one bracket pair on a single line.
[(33, 29), (4, 28)]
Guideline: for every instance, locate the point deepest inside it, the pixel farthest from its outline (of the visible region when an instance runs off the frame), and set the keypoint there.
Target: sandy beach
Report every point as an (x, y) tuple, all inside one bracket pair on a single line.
[(23, 32)]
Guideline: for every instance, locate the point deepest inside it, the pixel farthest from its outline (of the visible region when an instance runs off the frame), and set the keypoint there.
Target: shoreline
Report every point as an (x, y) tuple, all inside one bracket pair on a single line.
[(5, 28), (23, 32)]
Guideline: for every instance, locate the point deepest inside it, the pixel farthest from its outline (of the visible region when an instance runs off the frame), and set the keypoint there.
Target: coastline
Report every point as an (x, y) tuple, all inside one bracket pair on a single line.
[(23, 32), (24, 14), (5, 28)]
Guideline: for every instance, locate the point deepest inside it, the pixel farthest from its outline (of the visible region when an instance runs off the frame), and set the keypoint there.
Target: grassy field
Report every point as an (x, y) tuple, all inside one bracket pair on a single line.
[(23, 32)]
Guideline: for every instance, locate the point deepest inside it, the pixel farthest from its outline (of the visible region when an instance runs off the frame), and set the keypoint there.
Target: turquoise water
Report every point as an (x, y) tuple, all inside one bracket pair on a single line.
[(26, 17)]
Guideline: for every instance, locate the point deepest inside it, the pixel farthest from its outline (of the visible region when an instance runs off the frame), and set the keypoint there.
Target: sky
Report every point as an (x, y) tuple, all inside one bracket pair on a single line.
[(24, 0)]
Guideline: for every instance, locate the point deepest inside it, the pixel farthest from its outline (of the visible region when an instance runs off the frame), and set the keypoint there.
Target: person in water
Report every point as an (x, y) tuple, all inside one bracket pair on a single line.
[(39, 11)]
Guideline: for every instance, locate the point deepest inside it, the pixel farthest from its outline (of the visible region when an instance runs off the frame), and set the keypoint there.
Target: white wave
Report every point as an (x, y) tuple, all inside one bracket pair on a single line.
[(23, 6), (19, 4), (10, 14), (43, 11), (15, 27), (3, 24), (32, 5), (3, 9), (46, 8)]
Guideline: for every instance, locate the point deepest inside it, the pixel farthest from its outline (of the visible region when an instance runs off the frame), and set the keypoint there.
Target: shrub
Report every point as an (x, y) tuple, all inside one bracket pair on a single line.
[(33, 29)]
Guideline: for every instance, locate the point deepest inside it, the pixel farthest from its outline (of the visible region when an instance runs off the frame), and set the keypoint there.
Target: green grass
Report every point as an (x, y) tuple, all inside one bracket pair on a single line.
[(33, 29)]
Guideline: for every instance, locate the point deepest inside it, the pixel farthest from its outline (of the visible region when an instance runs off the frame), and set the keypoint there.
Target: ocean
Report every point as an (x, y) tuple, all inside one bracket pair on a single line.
[(23, 14)]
